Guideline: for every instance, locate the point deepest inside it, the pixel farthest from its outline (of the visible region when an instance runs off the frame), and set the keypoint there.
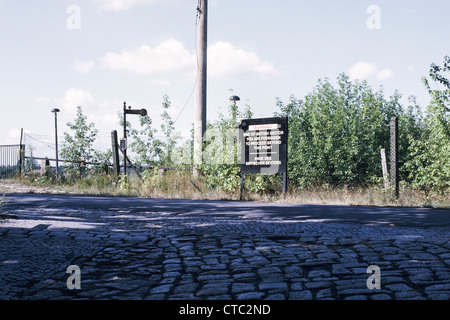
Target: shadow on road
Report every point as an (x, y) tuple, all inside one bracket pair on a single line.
[(412, 217)]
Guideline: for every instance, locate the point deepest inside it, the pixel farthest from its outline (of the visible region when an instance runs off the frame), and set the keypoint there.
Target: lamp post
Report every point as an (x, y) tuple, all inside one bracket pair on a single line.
[(55, 111), (233, 99), (123, 142)]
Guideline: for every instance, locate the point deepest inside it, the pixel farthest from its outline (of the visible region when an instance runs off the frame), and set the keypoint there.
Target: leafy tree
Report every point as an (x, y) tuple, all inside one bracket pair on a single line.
[(335, 134), (79, 146), (143, 141), (221, 152), (149, 148), (170, 136), (430, 163)]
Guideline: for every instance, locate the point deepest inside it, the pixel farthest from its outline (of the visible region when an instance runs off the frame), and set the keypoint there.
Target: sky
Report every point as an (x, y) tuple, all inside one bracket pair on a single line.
[(99, 53)]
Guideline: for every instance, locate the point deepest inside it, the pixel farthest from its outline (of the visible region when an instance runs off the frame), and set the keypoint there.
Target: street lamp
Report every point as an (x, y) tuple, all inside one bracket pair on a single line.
[(123, 142), (55, 111), (233, 99)]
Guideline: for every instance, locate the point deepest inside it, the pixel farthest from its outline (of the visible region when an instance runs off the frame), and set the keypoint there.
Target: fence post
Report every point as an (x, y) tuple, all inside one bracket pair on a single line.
[(115, 152), (242, 186), (21, 159), (45, 167), (21, 154), (384, 168), (394, 155)]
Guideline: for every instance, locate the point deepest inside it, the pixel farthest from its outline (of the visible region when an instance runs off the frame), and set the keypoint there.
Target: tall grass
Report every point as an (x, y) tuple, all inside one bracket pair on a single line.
[(374, 195), (182, 185), (2, 206)]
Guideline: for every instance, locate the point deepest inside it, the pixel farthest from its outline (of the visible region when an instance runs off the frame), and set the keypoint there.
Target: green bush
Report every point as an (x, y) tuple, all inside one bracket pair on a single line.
[(335, 134), (79, 147), (429, 166)]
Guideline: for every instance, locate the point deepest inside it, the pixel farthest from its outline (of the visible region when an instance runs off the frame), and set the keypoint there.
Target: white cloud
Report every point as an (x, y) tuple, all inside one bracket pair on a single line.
[(105, 121), (169, 57), (385, 74), (362, 71), (13, 136), (365, 71), (103, 113), (119, 5), (76, 97), (225, 60), (158, 82), (172, 58), (122, 5), (82, 66)]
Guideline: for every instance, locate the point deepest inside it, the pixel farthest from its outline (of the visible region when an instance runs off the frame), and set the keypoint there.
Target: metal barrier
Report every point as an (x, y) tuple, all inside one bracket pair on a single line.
[(11, 160)]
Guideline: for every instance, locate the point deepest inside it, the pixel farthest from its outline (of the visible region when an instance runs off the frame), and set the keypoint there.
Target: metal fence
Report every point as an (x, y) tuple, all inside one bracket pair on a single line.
[(11, 160)]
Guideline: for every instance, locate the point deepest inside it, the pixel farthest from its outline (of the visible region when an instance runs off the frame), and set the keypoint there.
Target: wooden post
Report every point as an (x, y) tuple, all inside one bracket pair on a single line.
[(45, 167), (21, 154), (242, 186), (384, 168), (105, 168), (200, 107), (22, 159), (115, 152), (394, 155), (125, 137)]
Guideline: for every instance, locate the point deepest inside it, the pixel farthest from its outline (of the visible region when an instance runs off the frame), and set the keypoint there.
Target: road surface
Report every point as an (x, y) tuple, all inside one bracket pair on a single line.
[(160, 249), (417, 217)]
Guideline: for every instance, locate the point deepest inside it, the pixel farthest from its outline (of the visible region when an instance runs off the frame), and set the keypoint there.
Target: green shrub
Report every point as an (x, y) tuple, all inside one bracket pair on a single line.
[(429, 166)]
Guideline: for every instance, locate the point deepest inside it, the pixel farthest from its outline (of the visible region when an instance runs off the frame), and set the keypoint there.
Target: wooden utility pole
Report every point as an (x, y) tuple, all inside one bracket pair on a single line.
[(200, 106)]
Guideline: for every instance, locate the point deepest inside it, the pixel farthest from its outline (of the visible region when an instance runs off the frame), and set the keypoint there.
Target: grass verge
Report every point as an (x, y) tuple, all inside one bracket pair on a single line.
[(182, 185)]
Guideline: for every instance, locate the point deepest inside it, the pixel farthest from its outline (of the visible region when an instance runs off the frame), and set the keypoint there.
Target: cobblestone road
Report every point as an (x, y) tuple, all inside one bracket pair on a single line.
[(160, 255)]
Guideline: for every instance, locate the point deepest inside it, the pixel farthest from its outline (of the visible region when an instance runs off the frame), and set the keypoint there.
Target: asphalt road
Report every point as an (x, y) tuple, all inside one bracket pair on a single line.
[(365, 215)]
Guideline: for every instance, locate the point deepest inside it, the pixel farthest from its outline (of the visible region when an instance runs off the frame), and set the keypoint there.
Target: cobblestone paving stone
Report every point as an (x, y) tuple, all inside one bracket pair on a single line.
[(156, 255)]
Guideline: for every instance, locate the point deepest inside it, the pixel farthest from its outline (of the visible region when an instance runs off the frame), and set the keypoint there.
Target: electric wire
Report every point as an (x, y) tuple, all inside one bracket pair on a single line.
[(198, 11)]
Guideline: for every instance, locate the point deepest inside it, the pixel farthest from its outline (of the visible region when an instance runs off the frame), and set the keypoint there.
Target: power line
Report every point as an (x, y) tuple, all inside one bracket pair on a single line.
[(196, 60), (47, 144), (190, 96)]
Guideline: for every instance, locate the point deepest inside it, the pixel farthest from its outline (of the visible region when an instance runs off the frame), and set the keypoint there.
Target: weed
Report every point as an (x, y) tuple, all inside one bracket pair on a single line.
[(180, 184), (3, 204)]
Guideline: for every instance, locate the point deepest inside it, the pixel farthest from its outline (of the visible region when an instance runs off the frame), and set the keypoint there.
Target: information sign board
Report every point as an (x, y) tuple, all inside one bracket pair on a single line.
[(265, 145)]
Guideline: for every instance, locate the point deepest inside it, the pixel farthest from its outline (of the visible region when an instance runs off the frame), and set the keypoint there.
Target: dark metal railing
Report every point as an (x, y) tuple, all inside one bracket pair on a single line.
[(11, 160)]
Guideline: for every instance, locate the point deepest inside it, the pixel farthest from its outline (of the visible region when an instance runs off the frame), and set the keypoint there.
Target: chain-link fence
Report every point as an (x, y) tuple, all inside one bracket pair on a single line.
[(40, 152)]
